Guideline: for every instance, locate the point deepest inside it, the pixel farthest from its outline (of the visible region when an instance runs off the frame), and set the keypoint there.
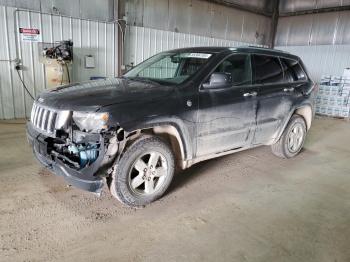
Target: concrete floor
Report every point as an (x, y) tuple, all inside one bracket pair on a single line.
[(249, 206)]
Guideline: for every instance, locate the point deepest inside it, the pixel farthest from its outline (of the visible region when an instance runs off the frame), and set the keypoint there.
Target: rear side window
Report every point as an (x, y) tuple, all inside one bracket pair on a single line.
[(238, 67), (267, 69), (292, 70)]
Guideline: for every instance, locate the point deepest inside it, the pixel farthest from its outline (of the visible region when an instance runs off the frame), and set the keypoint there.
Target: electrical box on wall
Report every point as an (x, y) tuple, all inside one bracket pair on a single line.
[(89, 61)]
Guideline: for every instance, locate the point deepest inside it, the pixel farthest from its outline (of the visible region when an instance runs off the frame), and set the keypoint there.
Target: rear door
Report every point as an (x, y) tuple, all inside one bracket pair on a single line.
[(273, 103), (226, 116), (280, 88)]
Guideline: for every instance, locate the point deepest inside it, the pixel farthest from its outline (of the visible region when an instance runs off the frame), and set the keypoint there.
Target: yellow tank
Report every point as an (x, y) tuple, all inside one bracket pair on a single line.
[(56, 73)]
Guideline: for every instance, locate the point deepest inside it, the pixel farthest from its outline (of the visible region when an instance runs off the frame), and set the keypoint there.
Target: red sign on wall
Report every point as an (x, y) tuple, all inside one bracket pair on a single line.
[(30, 34)]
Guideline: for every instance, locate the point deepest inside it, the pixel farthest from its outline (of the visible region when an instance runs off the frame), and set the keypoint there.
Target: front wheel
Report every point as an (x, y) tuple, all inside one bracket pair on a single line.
[(292, 139), (143, 173)]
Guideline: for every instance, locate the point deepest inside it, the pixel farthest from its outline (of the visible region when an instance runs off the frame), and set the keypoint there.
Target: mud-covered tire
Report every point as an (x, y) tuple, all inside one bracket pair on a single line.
[(121, 184), (282, 148)]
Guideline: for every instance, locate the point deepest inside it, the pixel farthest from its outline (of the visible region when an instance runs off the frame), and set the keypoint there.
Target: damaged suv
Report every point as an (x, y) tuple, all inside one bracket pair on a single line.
[(173, 110)]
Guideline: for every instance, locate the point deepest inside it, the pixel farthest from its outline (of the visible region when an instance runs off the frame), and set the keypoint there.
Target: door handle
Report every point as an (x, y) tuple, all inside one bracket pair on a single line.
[(189, 103), (288, 89), (250, 94)]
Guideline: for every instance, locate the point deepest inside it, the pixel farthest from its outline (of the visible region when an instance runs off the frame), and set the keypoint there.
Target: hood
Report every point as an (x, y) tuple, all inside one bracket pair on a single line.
[(92, 95)]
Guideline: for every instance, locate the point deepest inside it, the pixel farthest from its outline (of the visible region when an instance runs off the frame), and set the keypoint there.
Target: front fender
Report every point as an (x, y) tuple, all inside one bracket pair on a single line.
[(185, 129)]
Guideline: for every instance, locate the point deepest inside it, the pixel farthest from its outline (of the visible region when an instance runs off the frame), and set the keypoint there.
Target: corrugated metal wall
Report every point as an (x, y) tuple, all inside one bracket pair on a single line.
[(198, 17), (321, 40), (314, 29), (144, 42), (322, 59), (89, 37)]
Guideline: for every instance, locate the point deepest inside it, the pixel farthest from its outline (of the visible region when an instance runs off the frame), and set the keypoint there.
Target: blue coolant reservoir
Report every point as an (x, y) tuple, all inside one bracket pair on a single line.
[(87, 154)]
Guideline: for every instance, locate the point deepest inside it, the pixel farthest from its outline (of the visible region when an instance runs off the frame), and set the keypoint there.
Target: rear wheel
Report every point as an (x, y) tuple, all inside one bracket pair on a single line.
[(292, 139), (143, 173)]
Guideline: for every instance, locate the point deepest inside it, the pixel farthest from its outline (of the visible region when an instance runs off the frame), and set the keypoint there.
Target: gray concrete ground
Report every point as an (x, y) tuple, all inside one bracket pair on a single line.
[(249, 206)]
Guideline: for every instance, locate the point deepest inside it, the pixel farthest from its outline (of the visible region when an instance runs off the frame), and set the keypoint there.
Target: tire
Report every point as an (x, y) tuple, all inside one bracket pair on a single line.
[(143, 173), (284, 147)]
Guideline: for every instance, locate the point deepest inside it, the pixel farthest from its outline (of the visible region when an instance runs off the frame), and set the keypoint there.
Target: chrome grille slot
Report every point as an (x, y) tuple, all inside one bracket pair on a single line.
[(43, 118), (41, 111), (36, 115), (52, 121), (32, 113)]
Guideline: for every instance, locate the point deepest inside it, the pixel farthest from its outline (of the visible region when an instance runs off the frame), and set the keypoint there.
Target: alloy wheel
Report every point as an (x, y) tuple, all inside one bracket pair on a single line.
[(295, 137), (148, 173)]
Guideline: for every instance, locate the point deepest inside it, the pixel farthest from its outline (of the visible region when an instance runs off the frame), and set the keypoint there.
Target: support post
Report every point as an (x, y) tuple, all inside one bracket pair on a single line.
[(274, 23), (120, 24)]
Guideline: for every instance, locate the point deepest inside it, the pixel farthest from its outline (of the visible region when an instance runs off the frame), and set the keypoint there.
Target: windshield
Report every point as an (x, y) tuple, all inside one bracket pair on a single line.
[(169, 68)]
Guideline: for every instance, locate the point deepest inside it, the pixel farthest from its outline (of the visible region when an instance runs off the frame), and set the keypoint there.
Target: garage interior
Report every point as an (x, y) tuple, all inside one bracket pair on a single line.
[(248, 206)]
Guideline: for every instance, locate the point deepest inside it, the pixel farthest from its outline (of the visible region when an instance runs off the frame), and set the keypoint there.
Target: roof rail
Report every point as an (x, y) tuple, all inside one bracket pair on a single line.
[(268, 49)]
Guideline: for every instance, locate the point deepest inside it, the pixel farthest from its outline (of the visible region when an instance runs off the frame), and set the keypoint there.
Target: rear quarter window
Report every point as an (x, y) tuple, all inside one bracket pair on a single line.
[(292, 70)]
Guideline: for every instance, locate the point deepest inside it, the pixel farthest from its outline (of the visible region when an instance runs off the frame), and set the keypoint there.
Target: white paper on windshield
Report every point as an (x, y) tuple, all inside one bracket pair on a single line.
[(199, 55)]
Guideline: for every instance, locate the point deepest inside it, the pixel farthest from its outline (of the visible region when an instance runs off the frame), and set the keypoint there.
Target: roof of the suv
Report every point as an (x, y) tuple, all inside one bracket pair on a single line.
[(245, 49)]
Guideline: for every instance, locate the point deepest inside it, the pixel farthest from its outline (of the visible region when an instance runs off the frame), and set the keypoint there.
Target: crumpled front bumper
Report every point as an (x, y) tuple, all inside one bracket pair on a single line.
[(84, 179)]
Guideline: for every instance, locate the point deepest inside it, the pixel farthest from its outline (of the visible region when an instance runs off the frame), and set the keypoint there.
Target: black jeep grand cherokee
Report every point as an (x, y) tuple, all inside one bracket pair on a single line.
[(175, 109)]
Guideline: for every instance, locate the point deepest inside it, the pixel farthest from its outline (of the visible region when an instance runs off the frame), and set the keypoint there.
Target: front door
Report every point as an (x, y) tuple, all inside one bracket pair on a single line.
[(226, 115)]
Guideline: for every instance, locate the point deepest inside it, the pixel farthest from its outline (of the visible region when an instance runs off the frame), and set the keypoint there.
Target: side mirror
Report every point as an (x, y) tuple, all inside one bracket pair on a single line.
[(218, 80)]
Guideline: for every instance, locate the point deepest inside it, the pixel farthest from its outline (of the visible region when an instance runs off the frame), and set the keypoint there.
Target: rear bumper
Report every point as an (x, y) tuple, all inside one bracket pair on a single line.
[(85, 178)]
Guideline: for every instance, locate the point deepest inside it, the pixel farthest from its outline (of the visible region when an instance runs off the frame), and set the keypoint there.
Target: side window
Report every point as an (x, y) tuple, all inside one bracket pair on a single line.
[(267, 69), (292, 70), (239, 69)]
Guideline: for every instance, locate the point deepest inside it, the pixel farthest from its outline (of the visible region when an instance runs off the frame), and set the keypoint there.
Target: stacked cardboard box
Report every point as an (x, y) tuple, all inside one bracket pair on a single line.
[(333, 96)]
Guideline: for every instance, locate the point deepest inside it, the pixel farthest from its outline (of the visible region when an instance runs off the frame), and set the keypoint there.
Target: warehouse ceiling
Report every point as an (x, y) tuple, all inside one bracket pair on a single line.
[(291, 6), (287, 7), (263, 7)]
